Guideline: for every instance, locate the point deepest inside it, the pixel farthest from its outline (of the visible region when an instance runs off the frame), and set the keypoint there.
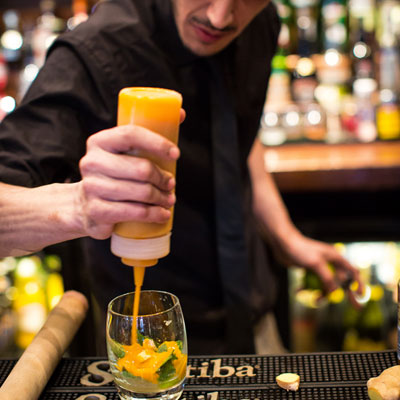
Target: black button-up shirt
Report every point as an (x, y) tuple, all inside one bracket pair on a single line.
[(135, 43)]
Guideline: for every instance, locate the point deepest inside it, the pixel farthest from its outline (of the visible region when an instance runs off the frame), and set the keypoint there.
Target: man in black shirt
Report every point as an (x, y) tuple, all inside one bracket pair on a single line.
[(65, 174)]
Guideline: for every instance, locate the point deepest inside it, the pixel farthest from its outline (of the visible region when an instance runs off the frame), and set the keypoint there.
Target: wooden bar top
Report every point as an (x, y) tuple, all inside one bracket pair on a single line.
[(323, 167)]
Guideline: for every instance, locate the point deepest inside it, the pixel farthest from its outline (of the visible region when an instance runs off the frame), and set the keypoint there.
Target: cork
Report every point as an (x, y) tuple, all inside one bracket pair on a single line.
[(34, 368)]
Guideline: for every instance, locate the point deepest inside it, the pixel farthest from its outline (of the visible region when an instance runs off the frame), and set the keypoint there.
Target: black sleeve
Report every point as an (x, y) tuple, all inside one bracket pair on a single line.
[(43, 140)]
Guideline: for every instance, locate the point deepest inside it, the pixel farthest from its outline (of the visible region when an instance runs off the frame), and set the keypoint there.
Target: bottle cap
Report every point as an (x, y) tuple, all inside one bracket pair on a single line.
[(140, 249)]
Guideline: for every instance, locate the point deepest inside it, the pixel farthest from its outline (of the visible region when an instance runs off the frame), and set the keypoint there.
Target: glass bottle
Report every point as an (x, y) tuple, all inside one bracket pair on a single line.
[(47, 28), (364, 90), (398, 322), (11, 40), (272, 132), (362, 37), (388, 115), (287, 35), (306, 17), (334, 25)]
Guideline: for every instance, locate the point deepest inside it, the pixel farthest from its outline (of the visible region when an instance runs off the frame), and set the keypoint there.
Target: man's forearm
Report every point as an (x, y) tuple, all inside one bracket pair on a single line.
[(268, 205), (33, 218)]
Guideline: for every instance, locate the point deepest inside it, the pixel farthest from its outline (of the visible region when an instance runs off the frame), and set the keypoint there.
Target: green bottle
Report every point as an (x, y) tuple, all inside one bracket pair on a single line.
[(334, 25)]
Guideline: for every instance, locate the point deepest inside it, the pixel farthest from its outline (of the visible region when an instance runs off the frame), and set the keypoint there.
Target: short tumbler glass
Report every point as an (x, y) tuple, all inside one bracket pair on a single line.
[(147, 354)]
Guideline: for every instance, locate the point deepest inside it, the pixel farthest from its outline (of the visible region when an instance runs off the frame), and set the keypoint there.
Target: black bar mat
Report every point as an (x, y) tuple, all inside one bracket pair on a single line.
[(336, 393), (323, 376)]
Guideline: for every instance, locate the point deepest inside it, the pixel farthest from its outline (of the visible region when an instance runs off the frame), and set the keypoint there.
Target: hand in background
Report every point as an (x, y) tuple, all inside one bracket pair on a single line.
[(317, 257)]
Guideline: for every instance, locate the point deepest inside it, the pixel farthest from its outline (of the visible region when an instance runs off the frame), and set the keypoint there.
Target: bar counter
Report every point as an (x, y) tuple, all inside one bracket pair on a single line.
[(341, 375), (322, 167)]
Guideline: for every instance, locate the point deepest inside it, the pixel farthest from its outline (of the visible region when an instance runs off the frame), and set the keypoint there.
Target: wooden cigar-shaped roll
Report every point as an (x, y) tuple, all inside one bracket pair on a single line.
[(36, 365)]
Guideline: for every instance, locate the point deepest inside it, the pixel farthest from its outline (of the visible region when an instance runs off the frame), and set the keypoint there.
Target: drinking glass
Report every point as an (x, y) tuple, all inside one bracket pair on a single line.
[(147, 353)]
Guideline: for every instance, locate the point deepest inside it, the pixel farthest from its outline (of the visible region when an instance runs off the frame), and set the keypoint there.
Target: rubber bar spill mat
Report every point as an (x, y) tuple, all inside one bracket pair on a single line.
[(323, 376)]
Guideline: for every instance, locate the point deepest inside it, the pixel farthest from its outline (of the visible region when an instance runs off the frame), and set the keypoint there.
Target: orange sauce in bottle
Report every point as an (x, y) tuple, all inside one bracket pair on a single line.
[(159, 111), (141, 244)]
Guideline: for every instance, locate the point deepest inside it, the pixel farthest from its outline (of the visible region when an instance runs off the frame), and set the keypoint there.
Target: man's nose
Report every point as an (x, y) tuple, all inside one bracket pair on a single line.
[(221, 13)]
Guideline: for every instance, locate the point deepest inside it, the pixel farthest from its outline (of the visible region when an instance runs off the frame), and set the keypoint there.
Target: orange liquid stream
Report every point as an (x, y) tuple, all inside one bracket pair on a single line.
[(138, 276)]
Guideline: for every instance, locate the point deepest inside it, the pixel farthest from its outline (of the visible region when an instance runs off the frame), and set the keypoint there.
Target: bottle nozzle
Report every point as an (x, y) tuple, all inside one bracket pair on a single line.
[(139, 263)]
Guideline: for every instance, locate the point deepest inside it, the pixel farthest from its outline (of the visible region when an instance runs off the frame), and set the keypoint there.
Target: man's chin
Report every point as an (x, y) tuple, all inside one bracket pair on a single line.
[(204, 50)]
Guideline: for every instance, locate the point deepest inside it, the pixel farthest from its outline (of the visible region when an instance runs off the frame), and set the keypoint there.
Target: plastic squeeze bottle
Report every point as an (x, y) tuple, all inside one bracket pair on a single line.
[(141, 244)]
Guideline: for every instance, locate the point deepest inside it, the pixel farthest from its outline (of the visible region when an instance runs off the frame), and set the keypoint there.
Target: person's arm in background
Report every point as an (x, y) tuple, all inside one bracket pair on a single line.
[(114, 188), (290, 246)]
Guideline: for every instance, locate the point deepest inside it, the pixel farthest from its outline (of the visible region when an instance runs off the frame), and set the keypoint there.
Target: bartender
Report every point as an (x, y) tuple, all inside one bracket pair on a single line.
[(65, 174)]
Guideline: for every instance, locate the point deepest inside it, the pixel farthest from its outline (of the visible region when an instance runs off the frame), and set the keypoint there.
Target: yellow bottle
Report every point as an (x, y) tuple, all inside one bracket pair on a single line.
[(141, 244)]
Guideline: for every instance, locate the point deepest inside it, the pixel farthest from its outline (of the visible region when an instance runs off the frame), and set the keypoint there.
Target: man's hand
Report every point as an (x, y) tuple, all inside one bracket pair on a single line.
[(316, 256), (118, 187)]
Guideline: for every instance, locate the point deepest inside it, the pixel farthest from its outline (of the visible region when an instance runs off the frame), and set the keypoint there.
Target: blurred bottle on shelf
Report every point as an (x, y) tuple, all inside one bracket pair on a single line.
[(362, 46), (388, 110), (3, 86), (292, 123), (314, 122), (306, 20), (47, 29), (11, 40), (304, 84), (398, 322), (333, 73), (7, 102), (334, 25), (36, 286), (30, 300), (304, 81), (362, 38), (388, 115), (388, 23), (54, 281), (272, 131), (333, 68), (287, 35), (3, 74), (365, 90), (8, 321), (80, 14)]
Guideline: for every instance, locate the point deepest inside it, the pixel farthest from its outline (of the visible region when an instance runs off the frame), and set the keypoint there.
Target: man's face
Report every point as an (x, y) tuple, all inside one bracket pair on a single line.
[(208, 26)]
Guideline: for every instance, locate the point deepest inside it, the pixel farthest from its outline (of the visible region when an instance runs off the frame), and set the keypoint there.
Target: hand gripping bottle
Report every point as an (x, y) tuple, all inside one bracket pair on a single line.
[(141, 244)]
